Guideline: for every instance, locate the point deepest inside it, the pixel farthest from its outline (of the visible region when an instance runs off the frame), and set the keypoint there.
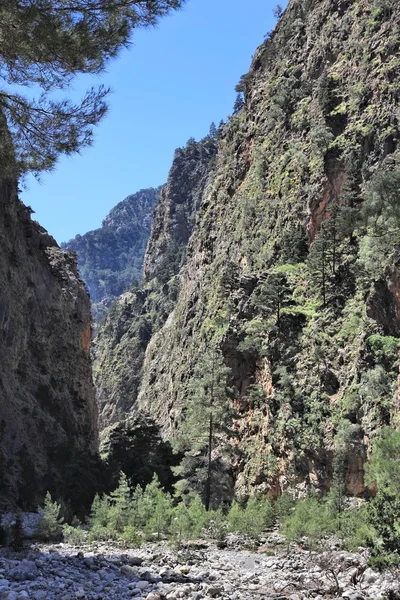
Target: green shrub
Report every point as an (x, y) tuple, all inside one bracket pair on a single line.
[(384, 518), (119, 506), (98, 521), (215, 525), (198, 517), (310, 519), (284, 505), (255, 518), (181, 524), (189, 519), (131, 536), (99, 533), (355, 529), (160, 517), (74, 535), (50, 526)]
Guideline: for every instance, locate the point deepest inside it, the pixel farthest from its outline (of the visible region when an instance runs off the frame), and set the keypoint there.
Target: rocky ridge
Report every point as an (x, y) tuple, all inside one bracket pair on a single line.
[(199, 572), (111, 258)]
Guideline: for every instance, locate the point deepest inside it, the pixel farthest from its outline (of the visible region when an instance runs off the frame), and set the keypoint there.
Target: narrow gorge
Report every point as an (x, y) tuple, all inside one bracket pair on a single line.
[(263, 249), (213, 374)]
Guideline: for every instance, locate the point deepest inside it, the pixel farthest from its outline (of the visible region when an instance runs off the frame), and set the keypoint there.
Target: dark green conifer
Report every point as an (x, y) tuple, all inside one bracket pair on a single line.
[(17, 533), (46, 43), (207, 421), (239, 103), (213, 131)]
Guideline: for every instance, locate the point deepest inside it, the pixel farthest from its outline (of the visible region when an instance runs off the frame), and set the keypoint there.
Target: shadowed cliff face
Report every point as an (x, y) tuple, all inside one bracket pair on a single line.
[(122, 339), (275, 273), (47, 408)]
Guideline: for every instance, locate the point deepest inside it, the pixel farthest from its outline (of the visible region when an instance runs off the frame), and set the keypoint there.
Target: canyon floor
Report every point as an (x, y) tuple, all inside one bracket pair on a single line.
[(201, 571)]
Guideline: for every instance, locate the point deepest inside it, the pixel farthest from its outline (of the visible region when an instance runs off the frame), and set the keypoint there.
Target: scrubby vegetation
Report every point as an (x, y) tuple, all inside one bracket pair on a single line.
[(135, 514)]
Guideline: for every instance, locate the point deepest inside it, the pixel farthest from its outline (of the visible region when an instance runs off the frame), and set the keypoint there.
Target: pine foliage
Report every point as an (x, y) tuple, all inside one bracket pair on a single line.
[(45, 44), (50, 526)]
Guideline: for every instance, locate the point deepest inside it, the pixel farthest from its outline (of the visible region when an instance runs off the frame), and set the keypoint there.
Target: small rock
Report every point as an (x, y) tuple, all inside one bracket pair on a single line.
[(214, 591), (128, 571), (142, 585), (135, 561)]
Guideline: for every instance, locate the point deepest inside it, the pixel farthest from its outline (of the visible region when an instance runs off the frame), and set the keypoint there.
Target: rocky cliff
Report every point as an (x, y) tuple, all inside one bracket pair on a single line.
[(47, 408), (285, 271), (111, 258), (122, 340)]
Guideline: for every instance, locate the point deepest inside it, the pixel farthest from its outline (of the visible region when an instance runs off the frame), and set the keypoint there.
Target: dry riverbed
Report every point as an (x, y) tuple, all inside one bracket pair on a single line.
[(198, 572)]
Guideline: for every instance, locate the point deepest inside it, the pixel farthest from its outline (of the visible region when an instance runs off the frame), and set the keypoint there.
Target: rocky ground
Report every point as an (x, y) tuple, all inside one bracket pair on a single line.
[(196, 572)]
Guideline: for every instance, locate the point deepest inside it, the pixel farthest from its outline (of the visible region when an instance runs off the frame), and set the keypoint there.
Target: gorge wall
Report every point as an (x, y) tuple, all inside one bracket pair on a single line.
[(121, 341), (262, 251), (48, 416), (111, 258)]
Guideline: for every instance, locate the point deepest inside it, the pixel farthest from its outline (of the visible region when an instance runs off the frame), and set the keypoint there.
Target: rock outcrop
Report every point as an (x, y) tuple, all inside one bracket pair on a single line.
[(121, 341), (111, 258), (48, 416), (281, 272)]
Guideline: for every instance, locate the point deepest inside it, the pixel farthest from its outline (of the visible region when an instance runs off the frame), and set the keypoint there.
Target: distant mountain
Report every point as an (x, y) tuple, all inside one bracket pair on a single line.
[(111, 258)]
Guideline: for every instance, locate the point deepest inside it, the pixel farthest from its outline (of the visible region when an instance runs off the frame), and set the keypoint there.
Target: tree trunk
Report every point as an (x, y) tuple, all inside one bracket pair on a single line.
[(208, 483)]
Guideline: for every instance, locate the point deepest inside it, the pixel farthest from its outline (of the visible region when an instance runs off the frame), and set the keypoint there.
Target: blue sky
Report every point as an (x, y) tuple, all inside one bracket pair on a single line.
[(169, 86)]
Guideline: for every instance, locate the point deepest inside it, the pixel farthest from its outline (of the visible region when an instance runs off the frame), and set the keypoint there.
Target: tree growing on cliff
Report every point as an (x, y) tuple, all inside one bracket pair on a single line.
[(239, 103), (213, 131), (206, 425), (381, 219), (45, 44), (272, 295)]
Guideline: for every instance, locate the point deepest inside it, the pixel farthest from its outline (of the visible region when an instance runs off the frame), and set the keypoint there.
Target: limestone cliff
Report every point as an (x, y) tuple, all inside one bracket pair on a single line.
[(47, 407), (122, 339), (281, 271), (111, 258)]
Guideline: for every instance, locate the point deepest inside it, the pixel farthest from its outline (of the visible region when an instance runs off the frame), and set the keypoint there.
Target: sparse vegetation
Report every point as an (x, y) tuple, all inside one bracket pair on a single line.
[(50, 526)]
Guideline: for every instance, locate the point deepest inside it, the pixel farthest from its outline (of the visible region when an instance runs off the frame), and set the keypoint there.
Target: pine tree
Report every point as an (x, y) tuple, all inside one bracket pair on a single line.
[(213, 131), (278, 11), (318, 263), (239, 103), (45, 44), (326, 252), (272, 295), (159, 519), (17, 533), (207, 420), (120, 503), (50, 527)]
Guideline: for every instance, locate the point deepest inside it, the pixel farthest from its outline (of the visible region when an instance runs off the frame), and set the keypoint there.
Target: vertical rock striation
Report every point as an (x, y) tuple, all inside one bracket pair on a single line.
[(48, 415), (122, 339)]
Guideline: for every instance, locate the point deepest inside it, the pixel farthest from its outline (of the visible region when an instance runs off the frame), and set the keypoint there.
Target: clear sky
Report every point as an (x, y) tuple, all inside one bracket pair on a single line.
[(169, 86)]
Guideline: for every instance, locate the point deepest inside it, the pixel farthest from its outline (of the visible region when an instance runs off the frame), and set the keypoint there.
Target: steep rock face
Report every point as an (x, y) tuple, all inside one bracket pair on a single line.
[(111, 258), (122, 339), (279, 272), (47, 406)]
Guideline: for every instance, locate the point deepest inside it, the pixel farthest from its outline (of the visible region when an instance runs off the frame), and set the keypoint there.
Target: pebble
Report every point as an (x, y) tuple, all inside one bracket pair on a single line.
[(102, 571)]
